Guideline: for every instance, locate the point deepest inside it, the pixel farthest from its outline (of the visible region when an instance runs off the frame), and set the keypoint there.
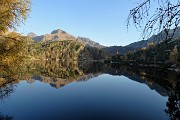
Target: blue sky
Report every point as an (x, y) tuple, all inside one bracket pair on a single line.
[(100, 20)]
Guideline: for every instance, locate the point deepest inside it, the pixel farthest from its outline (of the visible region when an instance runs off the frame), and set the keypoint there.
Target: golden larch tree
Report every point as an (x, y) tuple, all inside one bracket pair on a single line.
[(12, 13)]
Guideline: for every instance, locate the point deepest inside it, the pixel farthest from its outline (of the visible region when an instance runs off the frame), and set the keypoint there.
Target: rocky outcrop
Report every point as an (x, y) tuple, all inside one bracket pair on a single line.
[(61, 35), (89, 42), (55, 35)]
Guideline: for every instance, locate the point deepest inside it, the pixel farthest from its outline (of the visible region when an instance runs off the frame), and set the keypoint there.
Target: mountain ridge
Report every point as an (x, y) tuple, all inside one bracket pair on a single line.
[(154, 39), (61, 35)]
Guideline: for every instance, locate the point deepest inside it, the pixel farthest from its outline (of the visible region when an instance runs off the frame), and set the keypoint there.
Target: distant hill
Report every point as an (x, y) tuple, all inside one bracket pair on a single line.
[(163, 52), (162, 35), (138, 45), (61, 35), (156, 39), (55, 35), (32, 35), (112, 50), (89, 42)]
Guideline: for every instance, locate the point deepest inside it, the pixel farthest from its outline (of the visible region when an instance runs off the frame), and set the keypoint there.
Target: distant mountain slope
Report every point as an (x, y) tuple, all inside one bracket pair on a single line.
[(89, 42), (155, 38), (143, 43), (112, 50), (61, 35), (137, 45), (162, 35), (163, 52), (55, 35), (32, 35)]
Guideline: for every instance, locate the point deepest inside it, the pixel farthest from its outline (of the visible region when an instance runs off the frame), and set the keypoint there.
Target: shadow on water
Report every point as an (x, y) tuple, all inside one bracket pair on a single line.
[(5, 117), (58, 74), (166, 83), (5, 91), (173, 106)]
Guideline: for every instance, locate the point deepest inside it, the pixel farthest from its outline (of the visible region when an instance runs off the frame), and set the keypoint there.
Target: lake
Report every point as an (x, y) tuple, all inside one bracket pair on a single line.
[(56, 91)]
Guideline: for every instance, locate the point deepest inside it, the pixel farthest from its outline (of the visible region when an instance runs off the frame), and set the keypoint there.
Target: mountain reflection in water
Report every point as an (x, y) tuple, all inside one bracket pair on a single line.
[(58, 74)]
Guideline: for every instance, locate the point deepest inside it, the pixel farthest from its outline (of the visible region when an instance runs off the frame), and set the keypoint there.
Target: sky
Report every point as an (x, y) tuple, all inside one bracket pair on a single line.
[(103, 21)]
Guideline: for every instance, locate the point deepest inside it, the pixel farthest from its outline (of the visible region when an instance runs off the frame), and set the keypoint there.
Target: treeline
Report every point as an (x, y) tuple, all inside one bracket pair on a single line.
[(65, 50), (93, 53), (167, 51), (55, 50), (164, 52), (13, 47)]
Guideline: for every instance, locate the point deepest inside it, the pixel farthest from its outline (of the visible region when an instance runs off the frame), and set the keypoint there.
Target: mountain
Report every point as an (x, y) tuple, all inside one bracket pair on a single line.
[(163, 52), (60, 45), (61, 35), (160, 37), (89, 42), (32, 35), (137, 45), (156, 39), (55, 35), (112, 50)]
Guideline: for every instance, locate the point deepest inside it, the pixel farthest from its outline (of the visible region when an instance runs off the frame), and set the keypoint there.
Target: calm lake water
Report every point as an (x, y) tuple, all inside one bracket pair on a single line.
[(94, 92)]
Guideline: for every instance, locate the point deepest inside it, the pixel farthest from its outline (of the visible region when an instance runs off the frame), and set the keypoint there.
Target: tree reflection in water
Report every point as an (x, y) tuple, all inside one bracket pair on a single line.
[(173, 107), (4, 93), (58, 74), (5, 117), (167, 80)]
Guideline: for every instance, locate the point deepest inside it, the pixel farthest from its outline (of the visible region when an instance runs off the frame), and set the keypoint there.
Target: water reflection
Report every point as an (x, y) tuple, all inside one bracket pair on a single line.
[(58, 74), (173, 107), (5, 117), (6, 88)]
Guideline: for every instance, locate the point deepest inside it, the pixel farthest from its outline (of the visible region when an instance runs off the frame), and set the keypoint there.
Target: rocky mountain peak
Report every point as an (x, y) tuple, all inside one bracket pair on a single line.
[(58, 31), (32, 35), (59, 34), (89, 42)]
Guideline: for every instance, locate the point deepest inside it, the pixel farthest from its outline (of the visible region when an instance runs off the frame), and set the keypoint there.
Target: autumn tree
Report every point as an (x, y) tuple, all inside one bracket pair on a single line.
[(12, 13), (174, 55), (13, 47), (154, 16)]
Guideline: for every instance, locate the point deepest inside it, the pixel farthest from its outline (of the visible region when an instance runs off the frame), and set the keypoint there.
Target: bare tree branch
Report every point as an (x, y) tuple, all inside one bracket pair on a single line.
[(165, 17)]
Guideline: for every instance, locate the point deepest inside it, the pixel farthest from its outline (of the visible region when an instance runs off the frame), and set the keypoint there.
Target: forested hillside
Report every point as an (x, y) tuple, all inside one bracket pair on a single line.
[(55, 50), (15, 48), (167, 51)]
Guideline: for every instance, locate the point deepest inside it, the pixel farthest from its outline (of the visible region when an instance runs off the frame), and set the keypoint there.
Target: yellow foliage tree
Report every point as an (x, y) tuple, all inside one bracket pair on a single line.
[(12, 13), (13, 47), (174, 55)]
